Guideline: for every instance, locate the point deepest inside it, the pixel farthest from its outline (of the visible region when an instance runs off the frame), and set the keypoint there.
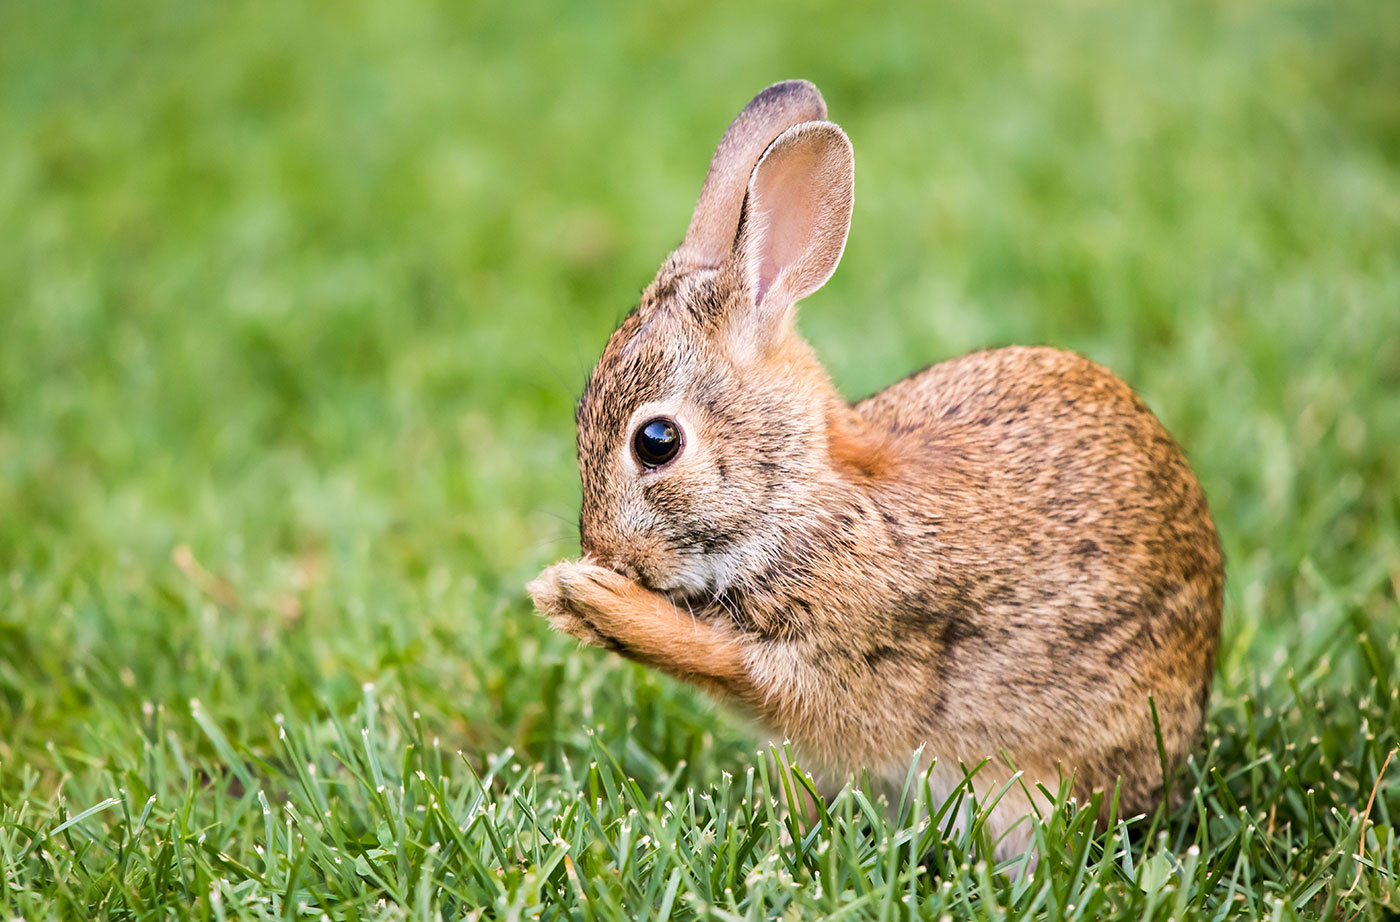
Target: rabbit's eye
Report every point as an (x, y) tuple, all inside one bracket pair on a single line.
[(657, 441)]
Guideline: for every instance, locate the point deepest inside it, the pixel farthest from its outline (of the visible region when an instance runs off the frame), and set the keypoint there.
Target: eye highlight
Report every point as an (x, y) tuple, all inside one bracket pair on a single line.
[(657, 441)]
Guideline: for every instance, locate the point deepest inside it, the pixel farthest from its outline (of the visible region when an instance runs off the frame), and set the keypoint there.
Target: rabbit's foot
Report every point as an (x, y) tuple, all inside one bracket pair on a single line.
[(608, 610), (575, 596)]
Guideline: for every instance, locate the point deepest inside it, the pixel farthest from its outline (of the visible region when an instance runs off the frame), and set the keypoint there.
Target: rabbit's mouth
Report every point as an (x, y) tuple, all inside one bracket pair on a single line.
[(676, 587), (618, 566), (670, 588), (686, 579), (627, 569)]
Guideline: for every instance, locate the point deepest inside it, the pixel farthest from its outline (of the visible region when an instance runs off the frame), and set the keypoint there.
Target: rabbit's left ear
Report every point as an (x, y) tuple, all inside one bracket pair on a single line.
[(794, 225)]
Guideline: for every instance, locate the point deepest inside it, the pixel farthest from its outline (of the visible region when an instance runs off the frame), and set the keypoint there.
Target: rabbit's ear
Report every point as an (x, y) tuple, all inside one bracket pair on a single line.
[(710, 238), (794, 224)]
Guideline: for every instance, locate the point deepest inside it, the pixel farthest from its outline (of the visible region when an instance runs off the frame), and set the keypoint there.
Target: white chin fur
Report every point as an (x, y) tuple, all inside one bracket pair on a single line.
[(710, 574), (702, 575)]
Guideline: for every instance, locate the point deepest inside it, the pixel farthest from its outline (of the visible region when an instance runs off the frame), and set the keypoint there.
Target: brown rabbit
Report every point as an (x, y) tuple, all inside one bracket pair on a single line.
[(1003, 556)]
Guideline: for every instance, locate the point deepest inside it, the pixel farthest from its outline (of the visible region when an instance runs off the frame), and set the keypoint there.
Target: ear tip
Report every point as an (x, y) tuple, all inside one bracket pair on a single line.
[(797, 94), (710, 236)]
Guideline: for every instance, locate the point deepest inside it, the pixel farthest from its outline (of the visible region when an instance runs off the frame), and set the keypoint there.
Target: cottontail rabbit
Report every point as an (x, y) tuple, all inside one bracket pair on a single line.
[(1004, 555)]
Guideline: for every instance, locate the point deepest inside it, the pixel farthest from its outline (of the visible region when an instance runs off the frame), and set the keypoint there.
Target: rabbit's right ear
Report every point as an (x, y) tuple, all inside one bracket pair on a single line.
[(793, 230), (710, 239)]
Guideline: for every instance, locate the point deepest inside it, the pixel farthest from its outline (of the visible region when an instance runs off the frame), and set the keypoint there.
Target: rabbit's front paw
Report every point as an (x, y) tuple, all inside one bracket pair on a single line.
[(572, 595)]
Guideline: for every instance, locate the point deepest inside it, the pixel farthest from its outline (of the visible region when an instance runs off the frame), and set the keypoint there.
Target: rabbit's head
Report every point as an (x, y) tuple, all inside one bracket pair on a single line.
[(703, 431)]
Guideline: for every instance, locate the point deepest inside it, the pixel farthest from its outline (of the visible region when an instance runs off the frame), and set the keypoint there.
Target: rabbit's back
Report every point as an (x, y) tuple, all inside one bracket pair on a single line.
[(1065, 553)]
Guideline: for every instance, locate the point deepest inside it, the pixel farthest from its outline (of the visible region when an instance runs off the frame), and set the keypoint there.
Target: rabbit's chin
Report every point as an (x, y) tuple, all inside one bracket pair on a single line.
[(698, 578), (701, 577)]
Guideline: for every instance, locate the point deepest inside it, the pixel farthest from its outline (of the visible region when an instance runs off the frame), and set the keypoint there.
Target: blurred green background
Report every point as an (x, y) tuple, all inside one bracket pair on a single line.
[(295, 300)]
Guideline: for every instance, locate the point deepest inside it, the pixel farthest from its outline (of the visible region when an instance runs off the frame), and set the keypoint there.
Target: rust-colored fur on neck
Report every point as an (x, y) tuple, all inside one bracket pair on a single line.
[(858, 451)]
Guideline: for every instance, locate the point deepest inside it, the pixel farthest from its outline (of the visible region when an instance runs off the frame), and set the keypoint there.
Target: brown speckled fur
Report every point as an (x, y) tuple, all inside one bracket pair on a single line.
[(1002, 556)]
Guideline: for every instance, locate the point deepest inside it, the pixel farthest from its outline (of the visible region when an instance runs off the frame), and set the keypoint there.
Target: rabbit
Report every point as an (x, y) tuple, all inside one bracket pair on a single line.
[(1003, 558)]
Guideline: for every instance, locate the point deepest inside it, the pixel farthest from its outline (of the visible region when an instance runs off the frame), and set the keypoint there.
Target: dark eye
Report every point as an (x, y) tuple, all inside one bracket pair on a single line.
[(657, 441)]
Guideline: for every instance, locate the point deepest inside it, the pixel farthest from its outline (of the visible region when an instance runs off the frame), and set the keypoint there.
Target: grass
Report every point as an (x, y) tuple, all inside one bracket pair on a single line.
[(294, 303)]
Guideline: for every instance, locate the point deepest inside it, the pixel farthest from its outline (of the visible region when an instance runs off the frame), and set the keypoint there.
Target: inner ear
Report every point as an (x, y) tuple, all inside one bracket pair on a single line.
[(797, 216), (788, 211)]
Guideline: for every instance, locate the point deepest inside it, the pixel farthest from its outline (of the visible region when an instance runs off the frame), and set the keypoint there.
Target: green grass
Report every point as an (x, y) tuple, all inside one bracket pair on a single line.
[(294, 303)]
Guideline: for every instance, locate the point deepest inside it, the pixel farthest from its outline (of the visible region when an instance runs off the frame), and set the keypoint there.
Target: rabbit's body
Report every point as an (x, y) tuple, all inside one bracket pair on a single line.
[(1003, 556), (1015, 581)]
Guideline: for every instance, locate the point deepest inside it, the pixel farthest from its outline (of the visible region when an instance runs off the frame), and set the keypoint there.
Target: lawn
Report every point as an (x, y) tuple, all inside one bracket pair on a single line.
[(295, 301)]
